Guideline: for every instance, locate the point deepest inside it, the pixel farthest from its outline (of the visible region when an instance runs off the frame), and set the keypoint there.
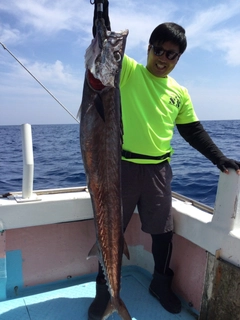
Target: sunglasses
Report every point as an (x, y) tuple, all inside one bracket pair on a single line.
[(159, 51)]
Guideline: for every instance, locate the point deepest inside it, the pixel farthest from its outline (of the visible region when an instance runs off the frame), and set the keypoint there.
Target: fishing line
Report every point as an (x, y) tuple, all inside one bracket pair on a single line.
[(4, 47)]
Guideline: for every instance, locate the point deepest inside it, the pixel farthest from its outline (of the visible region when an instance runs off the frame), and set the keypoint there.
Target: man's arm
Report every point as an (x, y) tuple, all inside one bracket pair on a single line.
[(198, 138)]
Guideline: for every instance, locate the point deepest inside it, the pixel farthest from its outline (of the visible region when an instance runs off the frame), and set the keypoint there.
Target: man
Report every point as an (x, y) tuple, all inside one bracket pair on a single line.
[(152, 103)]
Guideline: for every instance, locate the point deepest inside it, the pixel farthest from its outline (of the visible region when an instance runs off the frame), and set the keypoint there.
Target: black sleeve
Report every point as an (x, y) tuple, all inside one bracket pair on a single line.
[(104, 15), (198, 138)]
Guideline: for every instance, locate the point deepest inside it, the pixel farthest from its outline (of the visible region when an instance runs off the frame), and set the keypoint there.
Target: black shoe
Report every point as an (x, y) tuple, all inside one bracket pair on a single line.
[(160, 288), (100, 302)]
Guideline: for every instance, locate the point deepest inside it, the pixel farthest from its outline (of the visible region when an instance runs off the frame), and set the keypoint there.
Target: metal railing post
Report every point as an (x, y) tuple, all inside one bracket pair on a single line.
[(28, 163)]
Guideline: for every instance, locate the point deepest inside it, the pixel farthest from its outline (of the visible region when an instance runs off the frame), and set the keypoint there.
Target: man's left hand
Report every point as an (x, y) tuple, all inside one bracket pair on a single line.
[(224, 164)]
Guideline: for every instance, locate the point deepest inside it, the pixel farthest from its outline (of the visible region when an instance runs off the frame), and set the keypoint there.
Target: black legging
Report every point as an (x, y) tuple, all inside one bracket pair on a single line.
[(161, 250)]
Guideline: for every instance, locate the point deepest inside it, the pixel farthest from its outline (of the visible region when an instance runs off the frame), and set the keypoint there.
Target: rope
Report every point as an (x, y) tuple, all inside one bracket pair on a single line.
[(4, 47)]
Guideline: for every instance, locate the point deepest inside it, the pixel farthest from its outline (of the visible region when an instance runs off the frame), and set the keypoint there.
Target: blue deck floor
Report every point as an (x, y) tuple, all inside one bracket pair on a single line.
[(71, 303)]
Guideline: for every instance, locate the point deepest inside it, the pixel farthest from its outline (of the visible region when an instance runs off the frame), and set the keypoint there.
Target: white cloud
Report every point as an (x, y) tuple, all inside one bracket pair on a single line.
[(8, 34), (210, 18), (48, 16), (55, 77), (212, 30), (30, 29), (51, 17), (21, 94), (141, 18), (229, 42), (57, 73)]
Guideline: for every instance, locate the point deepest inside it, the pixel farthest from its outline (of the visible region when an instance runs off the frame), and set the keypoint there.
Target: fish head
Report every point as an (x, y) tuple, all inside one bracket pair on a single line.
[(104, 56)]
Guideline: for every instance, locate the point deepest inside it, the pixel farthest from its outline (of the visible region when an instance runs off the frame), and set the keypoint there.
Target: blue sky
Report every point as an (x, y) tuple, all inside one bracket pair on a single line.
[(50, 39)]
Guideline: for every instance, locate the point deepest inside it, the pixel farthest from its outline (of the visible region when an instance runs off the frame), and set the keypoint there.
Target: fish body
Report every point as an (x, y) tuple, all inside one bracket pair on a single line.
[(101, 145)]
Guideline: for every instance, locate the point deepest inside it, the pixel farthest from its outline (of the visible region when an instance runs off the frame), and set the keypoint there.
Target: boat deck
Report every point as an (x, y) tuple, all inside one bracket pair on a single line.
[(72, 302)]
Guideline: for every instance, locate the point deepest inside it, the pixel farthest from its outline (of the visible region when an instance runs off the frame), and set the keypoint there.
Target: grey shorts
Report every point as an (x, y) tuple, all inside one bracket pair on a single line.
[(148, 186)]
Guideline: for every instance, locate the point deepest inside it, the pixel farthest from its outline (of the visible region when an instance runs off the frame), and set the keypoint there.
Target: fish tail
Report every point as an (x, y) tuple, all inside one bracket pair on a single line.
[(116, 305)]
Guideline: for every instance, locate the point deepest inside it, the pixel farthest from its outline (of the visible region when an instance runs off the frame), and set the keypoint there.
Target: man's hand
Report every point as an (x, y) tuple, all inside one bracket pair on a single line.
[(224, 164)]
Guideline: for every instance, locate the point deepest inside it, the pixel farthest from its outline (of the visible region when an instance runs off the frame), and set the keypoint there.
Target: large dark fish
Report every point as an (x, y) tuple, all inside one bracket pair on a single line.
[(101, 140)]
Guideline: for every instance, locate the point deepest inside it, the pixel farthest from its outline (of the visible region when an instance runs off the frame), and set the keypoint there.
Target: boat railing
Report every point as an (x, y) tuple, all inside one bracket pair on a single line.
[(218, 233), (213, 229)]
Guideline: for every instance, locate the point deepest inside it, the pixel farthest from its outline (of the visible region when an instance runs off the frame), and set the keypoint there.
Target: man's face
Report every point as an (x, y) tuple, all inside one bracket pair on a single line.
[(161, 66)]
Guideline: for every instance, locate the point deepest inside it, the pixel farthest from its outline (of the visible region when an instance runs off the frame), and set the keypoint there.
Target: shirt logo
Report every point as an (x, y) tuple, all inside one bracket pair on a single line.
[(175, 101)]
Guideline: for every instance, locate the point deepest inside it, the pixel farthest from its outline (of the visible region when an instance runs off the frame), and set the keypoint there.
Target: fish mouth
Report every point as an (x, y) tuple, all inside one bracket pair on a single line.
[(95, 83)]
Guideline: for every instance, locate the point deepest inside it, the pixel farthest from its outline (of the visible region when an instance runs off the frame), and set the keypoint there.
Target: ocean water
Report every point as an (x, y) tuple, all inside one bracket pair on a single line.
[(58, 162)]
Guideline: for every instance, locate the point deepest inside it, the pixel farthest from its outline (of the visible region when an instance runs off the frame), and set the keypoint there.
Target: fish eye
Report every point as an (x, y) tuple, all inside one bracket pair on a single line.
[(117, 56)]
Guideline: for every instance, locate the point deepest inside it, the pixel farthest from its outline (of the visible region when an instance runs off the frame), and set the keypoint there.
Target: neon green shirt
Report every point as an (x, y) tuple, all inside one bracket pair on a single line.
[(150, 108)]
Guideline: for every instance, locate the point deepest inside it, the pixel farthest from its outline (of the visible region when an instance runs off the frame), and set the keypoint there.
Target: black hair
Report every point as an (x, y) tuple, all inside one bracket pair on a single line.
[(169, 31)]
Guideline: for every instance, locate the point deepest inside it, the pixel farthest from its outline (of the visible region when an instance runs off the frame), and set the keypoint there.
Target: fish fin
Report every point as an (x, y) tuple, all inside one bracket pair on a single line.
[(108, 311), (125, 250), (118, 306), (99, 107), (94, 252)]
